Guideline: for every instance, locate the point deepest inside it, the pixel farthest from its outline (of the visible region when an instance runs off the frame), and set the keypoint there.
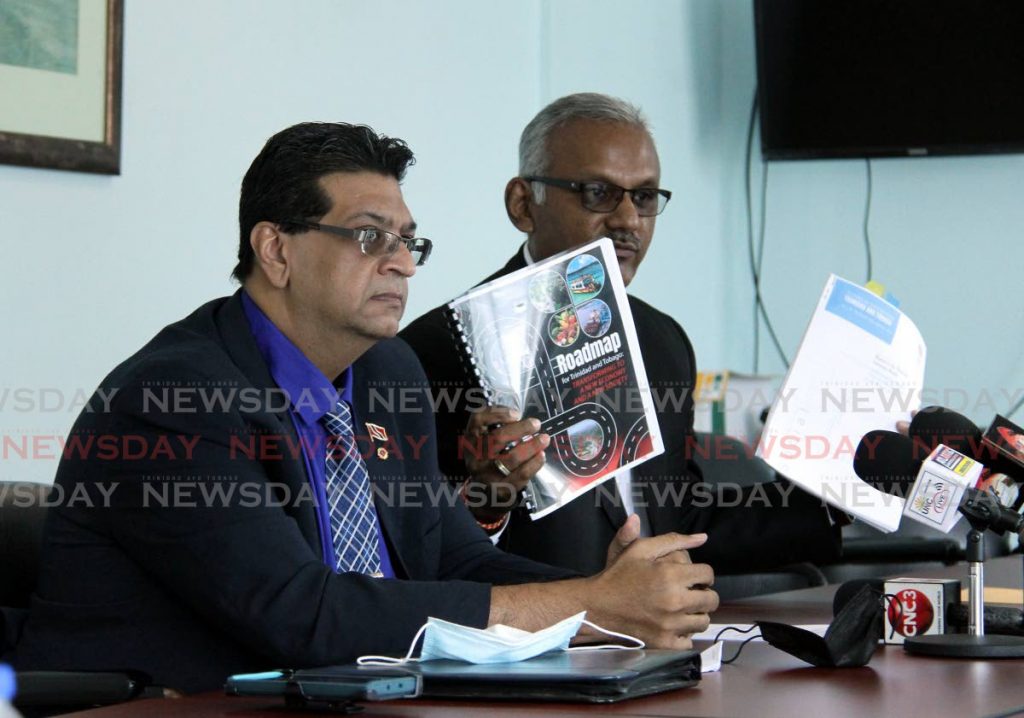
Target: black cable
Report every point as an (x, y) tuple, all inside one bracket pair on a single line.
[(757, 337), (887, 600), (738, 630), (764, 216), (755, 272), (867, 217), (760, 262), (727, 661), (733, 628)]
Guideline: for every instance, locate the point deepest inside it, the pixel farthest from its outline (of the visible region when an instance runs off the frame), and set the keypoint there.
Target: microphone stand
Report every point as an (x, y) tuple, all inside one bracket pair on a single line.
[(983, 512)]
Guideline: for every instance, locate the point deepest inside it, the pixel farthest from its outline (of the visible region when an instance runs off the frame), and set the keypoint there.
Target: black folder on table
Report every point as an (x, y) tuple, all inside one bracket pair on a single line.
[(601, 676)]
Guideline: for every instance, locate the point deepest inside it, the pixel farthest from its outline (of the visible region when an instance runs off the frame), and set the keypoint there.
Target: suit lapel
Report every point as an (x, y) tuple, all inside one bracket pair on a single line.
[(238, 342)]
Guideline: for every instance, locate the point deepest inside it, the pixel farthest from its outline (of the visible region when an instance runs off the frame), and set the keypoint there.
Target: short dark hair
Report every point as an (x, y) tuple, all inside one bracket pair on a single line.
[(283, 182)]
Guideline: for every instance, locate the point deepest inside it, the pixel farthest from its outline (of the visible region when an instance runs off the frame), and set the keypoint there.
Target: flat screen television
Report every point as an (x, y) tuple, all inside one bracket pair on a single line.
[(883, 78)]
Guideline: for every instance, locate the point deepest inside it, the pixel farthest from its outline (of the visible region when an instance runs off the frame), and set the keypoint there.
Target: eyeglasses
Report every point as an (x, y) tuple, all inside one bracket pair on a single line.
[(374, 242), (605, 197)]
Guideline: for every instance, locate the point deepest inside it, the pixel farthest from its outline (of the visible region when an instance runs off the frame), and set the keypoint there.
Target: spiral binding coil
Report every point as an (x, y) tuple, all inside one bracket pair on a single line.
[(472, 366)]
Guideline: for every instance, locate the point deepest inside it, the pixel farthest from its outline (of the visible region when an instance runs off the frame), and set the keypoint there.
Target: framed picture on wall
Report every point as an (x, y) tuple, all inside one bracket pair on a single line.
[(60, 84)]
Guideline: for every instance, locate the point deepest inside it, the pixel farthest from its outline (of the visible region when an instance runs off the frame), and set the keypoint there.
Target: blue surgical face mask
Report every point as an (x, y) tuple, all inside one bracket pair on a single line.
[(494, 644)]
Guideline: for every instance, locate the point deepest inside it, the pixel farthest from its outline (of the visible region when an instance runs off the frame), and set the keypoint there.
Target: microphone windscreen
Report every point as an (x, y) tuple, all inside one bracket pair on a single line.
[(885, 460), (935, 425)]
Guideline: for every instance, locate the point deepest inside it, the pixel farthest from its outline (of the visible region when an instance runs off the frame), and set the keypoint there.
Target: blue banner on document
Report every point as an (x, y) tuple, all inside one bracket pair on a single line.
[(863, 309)]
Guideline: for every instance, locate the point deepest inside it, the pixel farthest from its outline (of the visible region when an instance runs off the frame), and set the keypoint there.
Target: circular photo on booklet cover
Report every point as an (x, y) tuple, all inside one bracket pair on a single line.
[(585, 275), (548, 292), (595, 317), (586, 439), (564, 328)]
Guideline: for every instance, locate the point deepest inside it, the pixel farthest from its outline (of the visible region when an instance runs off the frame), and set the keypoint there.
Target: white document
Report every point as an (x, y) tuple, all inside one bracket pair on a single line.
[(860, 366), (711, 658)]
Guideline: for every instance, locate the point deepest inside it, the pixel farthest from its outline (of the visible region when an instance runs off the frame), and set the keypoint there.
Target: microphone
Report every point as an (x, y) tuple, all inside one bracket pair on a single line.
[(936, 425), (1004, 468), (1006, 620), (945, 479), (885, 460)]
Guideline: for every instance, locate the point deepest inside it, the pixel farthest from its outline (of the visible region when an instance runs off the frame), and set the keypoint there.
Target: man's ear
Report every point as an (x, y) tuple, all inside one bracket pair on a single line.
[(519, 204), (268, 244)]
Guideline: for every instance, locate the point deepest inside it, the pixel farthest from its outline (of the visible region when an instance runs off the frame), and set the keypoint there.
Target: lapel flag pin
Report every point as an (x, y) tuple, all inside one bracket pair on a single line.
[(377, 432)]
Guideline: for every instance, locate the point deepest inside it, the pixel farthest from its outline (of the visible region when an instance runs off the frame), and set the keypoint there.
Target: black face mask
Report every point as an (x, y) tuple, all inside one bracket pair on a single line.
[(850, 640)]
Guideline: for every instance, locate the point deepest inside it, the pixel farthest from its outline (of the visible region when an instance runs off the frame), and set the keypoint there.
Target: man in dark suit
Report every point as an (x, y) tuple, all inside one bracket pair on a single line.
[(250, 499), (589, 169)]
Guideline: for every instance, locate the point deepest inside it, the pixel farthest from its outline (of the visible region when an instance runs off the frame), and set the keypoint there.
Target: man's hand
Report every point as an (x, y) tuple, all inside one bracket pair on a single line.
[(627, 534), (651, 590), (903, 427), (498, 475)]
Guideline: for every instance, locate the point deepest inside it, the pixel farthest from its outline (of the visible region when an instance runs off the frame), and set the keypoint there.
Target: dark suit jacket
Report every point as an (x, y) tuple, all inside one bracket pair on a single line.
[(207, 561), (741, 537)]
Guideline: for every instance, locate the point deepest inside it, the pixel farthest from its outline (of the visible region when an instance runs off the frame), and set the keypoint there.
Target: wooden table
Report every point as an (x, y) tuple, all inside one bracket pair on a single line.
[(764, 682)]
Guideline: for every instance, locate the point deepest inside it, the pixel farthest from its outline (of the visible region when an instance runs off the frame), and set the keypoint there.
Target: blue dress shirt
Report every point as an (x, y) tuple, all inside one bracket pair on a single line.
[(312, 395)]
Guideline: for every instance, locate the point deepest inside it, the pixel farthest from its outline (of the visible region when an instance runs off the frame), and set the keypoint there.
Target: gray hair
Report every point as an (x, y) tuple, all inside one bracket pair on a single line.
[(534, 155)]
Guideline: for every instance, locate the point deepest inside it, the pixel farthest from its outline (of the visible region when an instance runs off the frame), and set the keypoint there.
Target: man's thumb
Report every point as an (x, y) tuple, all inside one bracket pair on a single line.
[(627, 534)]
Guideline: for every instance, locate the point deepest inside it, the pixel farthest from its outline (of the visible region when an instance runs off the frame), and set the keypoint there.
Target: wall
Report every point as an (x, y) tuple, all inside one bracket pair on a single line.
[(945, 234), (96, 265)]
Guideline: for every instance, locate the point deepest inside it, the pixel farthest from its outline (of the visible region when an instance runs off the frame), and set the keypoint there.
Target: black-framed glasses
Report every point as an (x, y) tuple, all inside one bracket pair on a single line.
[(605, 196), (372, 241)]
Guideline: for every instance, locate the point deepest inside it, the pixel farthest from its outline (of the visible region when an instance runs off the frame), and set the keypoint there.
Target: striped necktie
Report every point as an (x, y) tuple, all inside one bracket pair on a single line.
[(353, 518)]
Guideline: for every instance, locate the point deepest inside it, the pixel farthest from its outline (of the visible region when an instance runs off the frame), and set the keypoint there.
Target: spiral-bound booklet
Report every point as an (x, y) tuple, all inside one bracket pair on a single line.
[(556, 341)]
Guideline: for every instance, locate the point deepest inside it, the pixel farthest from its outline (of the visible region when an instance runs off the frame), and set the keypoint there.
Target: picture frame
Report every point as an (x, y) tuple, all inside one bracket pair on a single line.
[(60, 98)]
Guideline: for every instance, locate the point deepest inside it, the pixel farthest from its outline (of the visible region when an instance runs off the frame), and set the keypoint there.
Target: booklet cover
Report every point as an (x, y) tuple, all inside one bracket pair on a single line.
[(556, 341), (1006, 441), (1003, 454)]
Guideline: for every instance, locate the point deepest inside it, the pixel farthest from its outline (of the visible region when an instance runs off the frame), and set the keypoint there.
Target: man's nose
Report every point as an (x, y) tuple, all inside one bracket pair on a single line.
[(400, 261), (625, 215)]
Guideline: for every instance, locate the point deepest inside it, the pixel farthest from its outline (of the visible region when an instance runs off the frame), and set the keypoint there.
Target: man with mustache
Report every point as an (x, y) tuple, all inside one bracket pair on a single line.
[(588, 169), (294, 535)]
